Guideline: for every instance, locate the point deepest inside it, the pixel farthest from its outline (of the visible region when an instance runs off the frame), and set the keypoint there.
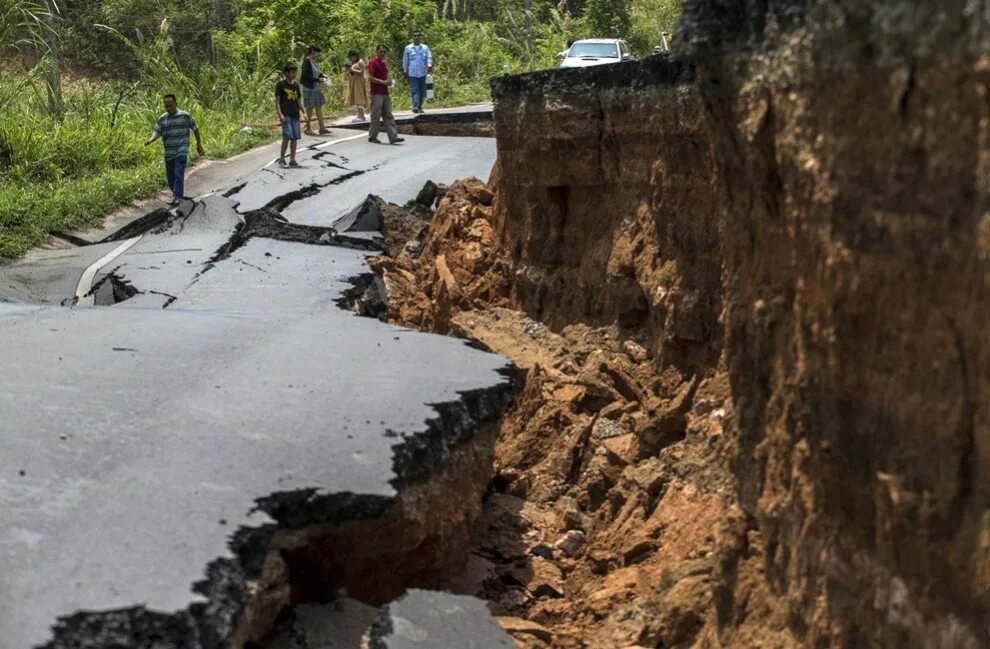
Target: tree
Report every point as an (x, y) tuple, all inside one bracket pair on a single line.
[(609, 18)]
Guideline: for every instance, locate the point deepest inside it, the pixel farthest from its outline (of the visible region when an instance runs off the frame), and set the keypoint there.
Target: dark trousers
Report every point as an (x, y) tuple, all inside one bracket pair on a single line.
[(418, 87), (175, 172)]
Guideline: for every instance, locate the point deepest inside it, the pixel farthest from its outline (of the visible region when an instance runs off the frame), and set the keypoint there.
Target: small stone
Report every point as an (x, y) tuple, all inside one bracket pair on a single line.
[(570, 543), (543, 550), (623, 448), (635, 351), (540, 577), (428, 195), (517, 627), (606, 428), (650, 475)]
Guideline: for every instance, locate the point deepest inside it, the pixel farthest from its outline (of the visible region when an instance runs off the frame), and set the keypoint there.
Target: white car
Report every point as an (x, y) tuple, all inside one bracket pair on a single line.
[(595, 51)]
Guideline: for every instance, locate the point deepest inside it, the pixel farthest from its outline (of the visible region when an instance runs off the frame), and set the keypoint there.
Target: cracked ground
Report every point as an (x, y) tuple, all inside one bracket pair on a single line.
[(174, 453)]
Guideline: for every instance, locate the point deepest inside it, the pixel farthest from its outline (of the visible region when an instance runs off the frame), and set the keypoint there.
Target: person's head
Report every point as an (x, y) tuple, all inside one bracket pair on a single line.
[(289, 70), (170, 105), (417, 37), (381, 51), (570, 41), (313, 51), (354, 56)]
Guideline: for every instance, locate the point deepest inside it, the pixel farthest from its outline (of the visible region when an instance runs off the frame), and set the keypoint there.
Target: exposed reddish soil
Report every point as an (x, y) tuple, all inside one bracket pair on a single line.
[(609, 497)]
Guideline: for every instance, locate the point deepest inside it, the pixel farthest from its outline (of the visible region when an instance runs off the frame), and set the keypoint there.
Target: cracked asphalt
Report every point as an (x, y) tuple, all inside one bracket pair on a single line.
[(141, 439)]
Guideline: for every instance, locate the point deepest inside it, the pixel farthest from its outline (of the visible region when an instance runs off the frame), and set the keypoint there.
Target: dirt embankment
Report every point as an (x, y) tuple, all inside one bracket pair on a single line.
[(592, 261), (852, 141), (749, 294)]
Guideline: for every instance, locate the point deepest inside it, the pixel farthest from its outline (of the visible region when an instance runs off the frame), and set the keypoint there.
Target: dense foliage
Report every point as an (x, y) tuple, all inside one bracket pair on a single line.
[(81, 81)]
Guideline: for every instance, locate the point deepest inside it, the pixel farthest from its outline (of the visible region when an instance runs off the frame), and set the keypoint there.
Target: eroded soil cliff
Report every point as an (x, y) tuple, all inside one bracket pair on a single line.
[(748, 291)]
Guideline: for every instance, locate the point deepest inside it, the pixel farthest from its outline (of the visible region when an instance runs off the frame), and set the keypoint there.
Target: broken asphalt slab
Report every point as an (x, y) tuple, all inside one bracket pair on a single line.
[(153, 442), (425, 619), (151, 456)]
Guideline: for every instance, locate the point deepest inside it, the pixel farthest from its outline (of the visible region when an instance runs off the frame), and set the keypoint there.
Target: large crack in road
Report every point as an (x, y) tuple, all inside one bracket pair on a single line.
[(180, 477)]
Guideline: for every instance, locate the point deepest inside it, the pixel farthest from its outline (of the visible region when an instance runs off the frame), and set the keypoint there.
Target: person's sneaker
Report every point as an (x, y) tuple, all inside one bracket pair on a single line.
[(416, 110), (374, 140), (174, 202), (398, 140), (282, 163), (294, 164)]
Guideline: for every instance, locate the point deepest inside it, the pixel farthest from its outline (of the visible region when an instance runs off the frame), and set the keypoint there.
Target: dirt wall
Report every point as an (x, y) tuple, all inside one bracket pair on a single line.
[(606, 202), (750, 289), (852, 147)]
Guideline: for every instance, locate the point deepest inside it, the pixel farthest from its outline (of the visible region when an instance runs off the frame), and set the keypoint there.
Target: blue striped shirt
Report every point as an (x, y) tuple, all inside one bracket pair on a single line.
[(174, 131)]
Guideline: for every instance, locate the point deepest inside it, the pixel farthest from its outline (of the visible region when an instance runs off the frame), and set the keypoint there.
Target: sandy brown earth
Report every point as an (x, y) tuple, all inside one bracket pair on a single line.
[(609, 500)]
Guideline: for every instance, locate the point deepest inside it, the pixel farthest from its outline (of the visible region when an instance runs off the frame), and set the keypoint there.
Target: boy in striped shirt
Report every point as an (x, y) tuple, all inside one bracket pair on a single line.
[(173, 128)]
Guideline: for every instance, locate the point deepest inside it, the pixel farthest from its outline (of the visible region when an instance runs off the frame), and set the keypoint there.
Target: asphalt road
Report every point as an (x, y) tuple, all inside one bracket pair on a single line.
[(140, 439)]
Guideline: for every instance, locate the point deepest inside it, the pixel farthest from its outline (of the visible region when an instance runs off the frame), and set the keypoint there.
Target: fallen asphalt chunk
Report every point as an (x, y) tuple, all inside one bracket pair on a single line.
[(424, 619)]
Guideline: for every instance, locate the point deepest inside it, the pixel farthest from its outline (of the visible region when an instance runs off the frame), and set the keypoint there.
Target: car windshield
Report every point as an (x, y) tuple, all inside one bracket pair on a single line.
[(600, 50)]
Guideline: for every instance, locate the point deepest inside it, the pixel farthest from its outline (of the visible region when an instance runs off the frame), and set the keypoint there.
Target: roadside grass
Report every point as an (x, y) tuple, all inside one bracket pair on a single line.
[(58, 175)]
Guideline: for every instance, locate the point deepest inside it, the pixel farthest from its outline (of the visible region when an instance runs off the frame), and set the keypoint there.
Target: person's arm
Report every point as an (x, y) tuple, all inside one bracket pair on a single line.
[(429, 60), (155, 134), (405, 63), (199, 142), (278, 107)]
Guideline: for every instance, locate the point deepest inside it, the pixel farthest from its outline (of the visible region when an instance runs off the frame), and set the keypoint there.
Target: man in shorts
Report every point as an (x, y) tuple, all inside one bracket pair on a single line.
[(288, 105)]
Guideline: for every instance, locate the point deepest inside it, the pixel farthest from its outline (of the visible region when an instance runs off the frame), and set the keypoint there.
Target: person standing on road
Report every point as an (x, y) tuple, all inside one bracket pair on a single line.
[(381, 102), (417, 62), (357, 87), (173, 128), (288, 105), (312, 80)]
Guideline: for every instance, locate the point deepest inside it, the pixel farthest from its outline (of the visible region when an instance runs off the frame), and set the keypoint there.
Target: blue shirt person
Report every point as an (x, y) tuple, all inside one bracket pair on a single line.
[(173, 129), (417, 62)]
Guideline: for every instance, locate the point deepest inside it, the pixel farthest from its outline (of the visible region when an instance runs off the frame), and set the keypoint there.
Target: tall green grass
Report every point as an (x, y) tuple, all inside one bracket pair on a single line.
[(59, 174)]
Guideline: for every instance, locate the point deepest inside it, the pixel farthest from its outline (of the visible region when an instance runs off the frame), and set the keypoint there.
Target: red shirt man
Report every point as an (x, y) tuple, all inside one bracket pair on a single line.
[(378, 69), (381, 103)]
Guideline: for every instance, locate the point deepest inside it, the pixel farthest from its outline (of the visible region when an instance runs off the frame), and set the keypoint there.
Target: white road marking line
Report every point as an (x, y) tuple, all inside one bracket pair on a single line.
[(85, 285), (343, 139)]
